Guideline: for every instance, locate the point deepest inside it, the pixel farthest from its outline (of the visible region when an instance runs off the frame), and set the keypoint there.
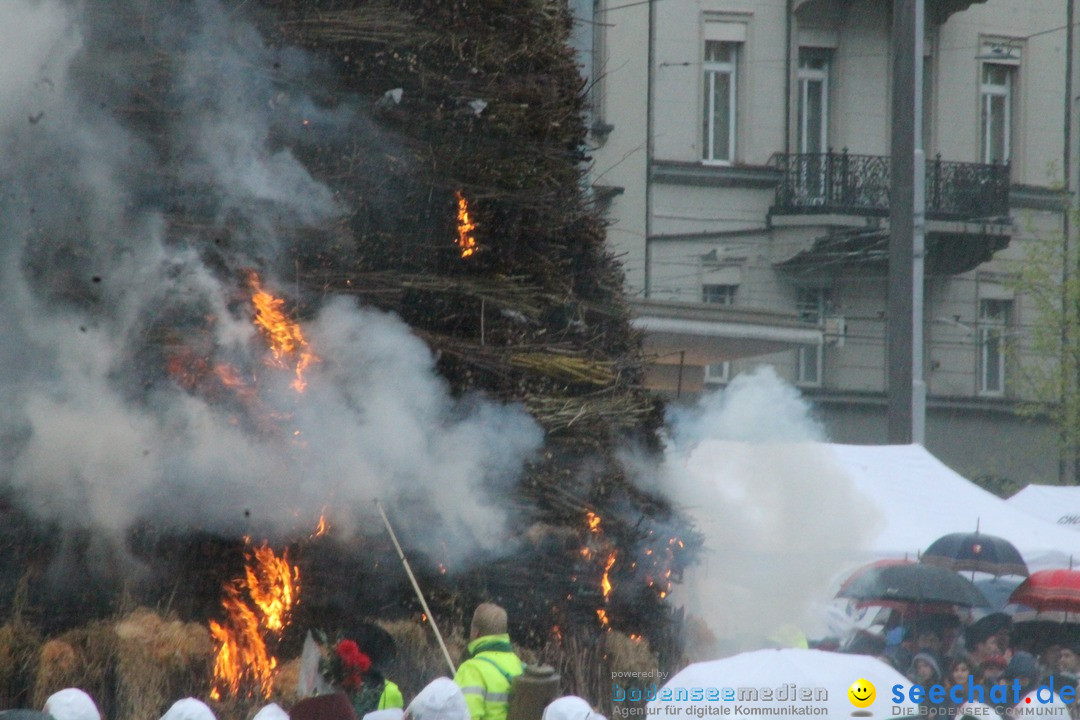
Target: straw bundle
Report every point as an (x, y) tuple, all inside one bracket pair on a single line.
[(82, 658), (157, 661), (19, 644)]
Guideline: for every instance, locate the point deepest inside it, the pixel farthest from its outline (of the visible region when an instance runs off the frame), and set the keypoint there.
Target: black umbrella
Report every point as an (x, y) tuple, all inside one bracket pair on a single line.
[(912, 582), (975, 551)]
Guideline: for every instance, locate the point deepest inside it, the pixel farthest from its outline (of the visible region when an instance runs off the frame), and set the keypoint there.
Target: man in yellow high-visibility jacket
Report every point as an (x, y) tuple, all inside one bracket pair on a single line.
[(487, 673)]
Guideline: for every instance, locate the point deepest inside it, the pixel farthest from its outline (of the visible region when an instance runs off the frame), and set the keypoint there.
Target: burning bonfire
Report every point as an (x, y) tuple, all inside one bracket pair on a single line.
[(258, 606), (542, 327)]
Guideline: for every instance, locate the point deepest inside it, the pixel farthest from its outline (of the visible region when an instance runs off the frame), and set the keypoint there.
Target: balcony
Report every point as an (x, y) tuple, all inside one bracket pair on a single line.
[(839, 205), (846, 184)]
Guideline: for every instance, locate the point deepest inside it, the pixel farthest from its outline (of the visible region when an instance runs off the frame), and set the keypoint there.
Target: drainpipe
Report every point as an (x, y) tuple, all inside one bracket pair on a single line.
[(788, 31), (649, 148), (1069, 452)]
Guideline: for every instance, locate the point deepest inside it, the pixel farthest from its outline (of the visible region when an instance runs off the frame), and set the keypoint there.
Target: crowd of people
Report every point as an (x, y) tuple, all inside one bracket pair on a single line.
[(999, 675), (480, 690)]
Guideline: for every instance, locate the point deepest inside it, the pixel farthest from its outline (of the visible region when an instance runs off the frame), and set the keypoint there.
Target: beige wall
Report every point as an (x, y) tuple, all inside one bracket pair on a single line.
[(620, 161), (1037, 148), (726, 216)]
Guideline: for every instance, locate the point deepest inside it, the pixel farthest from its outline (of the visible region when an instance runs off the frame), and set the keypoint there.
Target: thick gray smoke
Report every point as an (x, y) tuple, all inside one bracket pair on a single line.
[(126, 231), (779, 517)]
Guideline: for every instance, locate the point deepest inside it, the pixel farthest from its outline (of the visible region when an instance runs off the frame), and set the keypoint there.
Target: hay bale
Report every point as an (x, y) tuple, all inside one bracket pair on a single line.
[(169, 642), (285, 683), (82, 658), (58, 668), (629, 653), (18, 653), (157, 661)]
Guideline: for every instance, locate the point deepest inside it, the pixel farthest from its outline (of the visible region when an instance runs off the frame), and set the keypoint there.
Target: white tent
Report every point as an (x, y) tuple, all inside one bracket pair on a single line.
[(1058, 504), (783, 683), (802, 516), (920, 499)]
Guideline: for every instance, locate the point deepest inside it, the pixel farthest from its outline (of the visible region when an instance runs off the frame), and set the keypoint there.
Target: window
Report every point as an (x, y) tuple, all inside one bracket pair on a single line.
[(715, 294), (813, 127), (718, 294), (813, 122), (719, 97), (810, 305), (996, 106), (994, 317), (718, 373)]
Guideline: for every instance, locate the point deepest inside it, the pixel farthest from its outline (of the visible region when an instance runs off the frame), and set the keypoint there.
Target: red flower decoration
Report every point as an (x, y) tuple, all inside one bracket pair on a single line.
[(353, 664)]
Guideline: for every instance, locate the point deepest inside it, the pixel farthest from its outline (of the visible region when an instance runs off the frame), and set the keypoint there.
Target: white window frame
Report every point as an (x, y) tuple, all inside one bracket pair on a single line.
[(711, 69), (812, 177), (811, 311), (993, 332), (718, 373), (988, 91), (719, 293), (807, 75)]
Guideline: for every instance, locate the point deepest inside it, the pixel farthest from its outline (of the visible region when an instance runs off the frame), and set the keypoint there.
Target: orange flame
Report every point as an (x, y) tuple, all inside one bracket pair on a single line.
[(286, 339), (465, 226), (243, 664), (272, 583), (593, 521), (605, 581), (322, 527), (242, 659)]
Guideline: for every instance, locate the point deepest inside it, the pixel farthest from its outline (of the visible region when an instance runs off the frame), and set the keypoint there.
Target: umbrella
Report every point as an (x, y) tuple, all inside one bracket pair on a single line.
[(877, 564), (785, 673), (977, 552), (1049, 590), (912, 583), (998, 589), (1036, 632)]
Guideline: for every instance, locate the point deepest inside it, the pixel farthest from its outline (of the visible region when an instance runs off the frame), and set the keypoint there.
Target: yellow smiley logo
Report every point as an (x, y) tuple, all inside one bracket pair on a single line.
[(862, 693)]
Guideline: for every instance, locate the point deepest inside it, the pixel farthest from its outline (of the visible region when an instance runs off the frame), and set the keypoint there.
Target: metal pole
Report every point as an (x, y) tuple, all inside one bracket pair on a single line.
[(416, 587), (1068, 465), (906, 411)]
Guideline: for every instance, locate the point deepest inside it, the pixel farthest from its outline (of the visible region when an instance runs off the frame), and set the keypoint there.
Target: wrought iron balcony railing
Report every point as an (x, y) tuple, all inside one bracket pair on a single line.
[(843, 183)]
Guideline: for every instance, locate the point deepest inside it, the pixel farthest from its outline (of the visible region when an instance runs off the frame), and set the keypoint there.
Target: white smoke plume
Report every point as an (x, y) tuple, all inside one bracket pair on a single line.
[(100, 290), (779, 517)]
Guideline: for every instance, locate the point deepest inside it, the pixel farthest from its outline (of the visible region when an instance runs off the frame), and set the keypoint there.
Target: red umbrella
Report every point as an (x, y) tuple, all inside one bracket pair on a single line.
[(1049, 590)]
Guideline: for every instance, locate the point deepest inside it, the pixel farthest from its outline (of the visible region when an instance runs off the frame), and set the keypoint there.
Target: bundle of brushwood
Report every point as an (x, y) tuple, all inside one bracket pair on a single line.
[(493, 252), (461, 174)]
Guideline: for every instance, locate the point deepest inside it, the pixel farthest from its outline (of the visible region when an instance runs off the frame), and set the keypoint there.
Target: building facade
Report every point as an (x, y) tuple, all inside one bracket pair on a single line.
[(741, 151)]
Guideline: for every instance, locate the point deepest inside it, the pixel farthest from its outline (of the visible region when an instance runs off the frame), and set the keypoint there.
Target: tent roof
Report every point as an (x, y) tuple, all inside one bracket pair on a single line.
[(776, 669), (1058, 504), (920, 499)]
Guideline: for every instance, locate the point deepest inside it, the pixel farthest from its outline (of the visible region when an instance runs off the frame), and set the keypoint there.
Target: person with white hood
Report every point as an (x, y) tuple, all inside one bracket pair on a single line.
[(570, 707), (71, 704), (441, 699), (189, 709), (273, 711)]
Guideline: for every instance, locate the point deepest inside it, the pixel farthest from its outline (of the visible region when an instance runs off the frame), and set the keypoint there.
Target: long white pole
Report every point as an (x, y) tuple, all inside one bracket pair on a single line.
[(416, 587)]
